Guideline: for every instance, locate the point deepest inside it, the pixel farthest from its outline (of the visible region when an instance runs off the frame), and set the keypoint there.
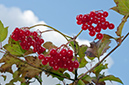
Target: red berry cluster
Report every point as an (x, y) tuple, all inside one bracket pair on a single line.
[(28, 39), (95, 21), (61, 59)]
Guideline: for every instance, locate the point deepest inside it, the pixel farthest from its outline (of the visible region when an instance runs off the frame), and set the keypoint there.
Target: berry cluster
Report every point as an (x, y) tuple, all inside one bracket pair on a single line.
[(95, 21), (61, 59), (28, 39)]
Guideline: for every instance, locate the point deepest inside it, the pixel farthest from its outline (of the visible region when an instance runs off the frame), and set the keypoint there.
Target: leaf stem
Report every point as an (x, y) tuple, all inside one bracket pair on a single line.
[(78, 34), (104, 57), (66, 36)]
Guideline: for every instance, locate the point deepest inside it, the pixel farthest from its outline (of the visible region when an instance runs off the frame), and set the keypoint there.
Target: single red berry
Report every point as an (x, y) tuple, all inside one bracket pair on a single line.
[(92, 14), (51, 63), (111, 26), (79, 17), (63, 52), (27, 32), (92, 33), (102, 19), (21, 32), (84, 27), (95, 20), (41, 56), (105, 13), (99, 14), (76, 64), (53, 52), (70, 68), (91, 28), (106, 23), (85, 18), (34, 33), (56, 67), (99, 36), (79, 22), (69, 53), (44, 62), (97, 29)]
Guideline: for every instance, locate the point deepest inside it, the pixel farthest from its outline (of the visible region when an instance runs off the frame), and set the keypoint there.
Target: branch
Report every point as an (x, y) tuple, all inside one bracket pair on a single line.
[(104, 57)]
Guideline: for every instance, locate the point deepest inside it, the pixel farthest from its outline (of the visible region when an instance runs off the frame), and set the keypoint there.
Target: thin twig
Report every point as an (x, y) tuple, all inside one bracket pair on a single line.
[(104, 57)]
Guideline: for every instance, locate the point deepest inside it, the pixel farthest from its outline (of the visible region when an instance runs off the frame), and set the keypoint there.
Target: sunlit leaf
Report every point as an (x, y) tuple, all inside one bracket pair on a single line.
[(80, 82), (99, 68), (110, 78), (82, 50), (14, 49), (122, 6), (82, 63), (3, 32)]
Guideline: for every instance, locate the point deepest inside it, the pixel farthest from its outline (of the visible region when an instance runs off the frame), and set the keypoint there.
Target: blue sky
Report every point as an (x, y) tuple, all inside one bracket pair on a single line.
[(61, 14)]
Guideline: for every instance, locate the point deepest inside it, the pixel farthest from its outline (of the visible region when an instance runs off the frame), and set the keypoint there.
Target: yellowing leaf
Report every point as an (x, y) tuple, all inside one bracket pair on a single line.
[(14, 49), (3, 32), (122, 6), (27, 70), (121, 25)]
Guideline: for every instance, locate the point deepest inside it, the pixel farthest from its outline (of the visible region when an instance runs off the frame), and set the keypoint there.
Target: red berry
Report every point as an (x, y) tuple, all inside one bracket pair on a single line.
[(63, 52), (79, 22), (111, 26), (70, 68), (41, 56), (76, 64), (102, 19), (105, 13), (70, 53), (92, 33), (97, 29), (84, 27), (34, 33), (99, 36), (53, 52), (90, 28), (99, 14), (85, 18), (56, 67), (44, 62), (92, 14), (79, 17), (27, 32)]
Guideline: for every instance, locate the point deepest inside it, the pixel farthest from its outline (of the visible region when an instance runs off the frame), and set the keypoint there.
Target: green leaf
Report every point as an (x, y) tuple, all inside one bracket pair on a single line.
[(82, 63), (122, 6), (121, 25), (103, 47), (82, 50), (3, 32), (67, 75), (74, 45), (4, 77), (80, 82), (99, 68), (87, 79), (110, 78), (14, 49)]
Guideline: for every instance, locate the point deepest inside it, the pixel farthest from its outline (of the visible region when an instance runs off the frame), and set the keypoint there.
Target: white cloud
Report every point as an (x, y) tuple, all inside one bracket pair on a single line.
[(14, 17)]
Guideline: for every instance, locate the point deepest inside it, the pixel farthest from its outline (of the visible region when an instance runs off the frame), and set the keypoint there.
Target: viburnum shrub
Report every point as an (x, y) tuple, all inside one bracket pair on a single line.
[(32, 55)]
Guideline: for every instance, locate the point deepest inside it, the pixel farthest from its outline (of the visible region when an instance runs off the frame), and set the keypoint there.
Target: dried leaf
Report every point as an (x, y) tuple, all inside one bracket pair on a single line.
[(28, 70), (97, 48)]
